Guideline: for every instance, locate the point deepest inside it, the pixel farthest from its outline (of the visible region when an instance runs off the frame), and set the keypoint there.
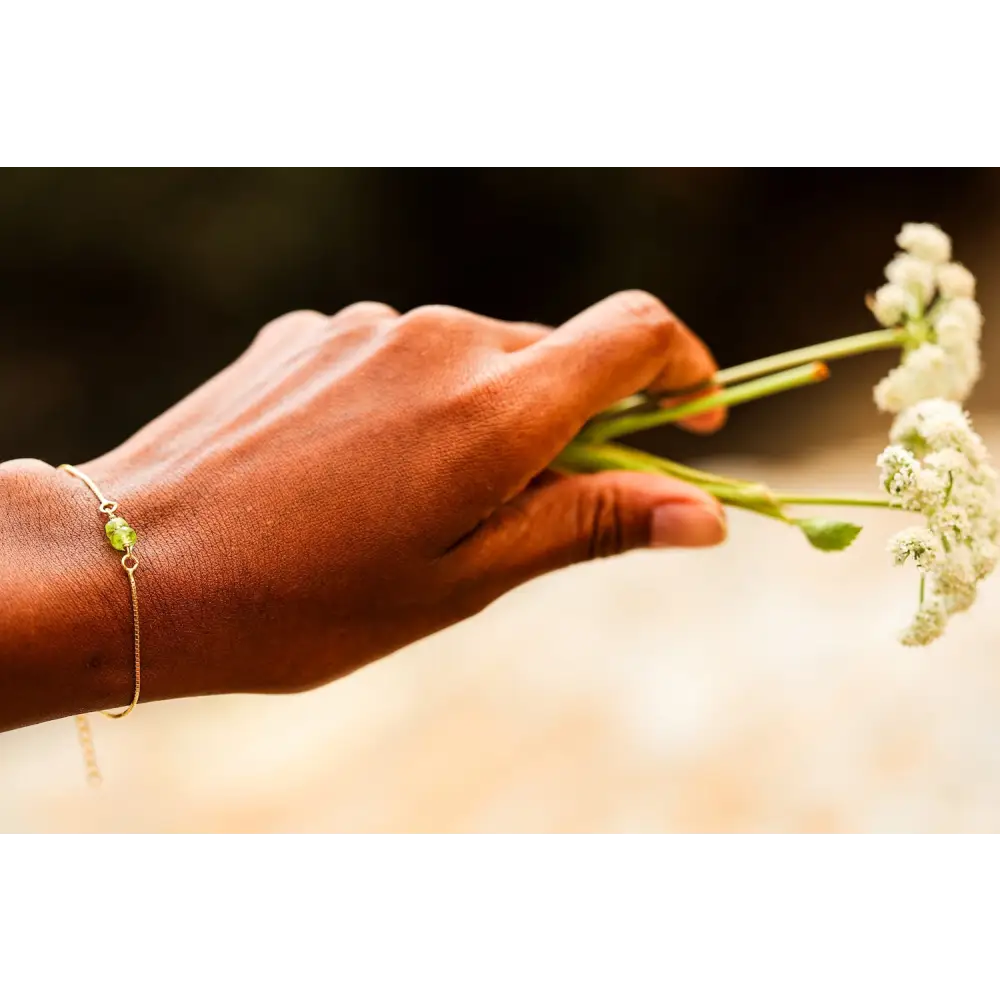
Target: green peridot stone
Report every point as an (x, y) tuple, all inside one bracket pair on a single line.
[(119, 533)]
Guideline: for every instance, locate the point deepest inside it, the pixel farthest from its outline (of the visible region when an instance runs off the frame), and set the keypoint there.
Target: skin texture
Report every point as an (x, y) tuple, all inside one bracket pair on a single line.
[(347, 486)]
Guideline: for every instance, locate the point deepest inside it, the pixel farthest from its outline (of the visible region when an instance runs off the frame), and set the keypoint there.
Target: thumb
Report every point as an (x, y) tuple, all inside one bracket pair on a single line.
[(577, 518)]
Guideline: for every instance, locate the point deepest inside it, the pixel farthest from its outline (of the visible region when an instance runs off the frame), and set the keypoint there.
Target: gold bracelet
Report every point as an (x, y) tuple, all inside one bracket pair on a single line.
[(122, 537)]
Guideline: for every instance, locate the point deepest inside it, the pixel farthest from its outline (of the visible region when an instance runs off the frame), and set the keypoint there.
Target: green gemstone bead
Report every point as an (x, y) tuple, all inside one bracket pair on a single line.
[(119, 533)]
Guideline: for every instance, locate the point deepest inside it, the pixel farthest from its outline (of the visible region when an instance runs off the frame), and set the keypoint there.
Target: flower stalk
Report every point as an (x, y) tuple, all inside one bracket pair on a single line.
[(844, 347), (767, 385), (581, 456), (859, 343)]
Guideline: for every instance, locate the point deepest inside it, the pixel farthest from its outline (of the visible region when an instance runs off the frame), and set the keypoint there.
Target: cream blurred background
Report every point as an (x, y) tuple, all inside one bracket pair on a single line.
[(756, 687)]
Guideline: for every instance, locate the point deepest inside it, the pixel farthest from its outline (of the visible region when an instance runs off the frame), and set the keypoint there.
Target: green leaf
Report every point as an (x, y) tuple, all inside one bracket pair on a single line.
[(828, 535)]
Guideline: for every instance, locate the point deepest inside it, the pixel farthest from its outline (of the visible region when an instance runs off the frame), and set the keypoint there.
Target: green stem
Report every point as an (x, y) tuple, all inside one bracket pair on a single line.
[(586, 457), (794, 499), (756, 389), (859, 343), (580, 456), (590, 457), (620, 456)]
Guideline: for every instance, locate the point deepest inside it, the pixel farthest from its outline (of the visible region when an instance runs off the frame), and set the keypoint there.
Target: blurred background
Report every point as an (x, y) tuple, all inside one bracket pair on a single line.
[(755, 687)]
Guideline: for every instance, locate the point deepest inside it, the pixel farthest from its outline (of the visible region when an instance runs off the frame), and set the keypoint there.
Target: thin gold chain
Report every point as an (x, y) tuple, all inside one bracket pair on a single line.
[(86, 737), (130, 562)]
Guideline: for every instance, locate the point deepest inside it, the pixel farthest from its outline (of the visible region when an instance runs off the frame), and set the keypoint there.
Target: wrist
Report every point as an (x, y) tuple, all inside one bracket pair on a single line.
[(65, 617), (55, 646), (170, 583)]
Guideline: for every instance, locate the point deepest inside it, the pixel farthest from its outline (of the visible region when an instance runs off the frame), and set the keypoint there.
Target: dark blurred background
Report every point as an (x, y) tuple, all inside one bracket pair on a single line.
[(122, 290)]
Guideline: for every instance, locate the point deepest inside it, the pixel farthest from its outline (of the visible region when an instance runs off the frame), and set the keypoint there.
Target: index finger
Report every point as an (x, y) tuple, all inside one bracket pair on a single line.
[(625, 343), (691, 364)]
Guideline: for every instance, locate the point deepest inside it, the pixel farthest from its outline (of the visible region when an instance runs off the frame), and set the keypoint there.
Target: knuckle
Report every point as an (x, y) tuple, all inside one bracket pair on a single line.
[(642, 305), (425, 318), (311, 325), (531, 331), (289, 325), (361, 313), (649, 311), (603, 524), (302, 317)]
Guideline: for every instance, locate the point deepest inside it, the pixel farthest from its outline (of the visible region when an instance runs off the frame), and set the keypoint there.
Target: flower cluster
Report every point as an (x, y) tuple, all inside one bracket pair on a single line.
[(930, 300), (938, 466), (935, 466)]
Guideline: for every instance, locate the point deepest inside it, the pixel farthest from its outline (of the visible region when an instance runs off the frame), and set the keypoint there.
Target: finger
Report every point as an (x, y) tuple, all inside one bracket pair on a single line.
[(622, 344), (577, 518), (522, 335), (689, 368), (688, 365), (703, 423)]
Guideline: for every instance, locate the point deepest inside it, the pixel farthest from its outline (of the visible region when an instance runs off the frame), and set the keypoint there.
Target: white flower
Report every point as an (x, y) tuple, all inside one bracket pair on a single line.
[(890, 304), (955, 579), (912, 484), (925, 372), (925, 241), (938, 466), (919, 544), (940, 331), (952, 524), (899, 470), (958, 318), (948, 461), (957, 324), (913, 275), (985, 559), (956, 281), (966, 367), (894, 392), (927, 625), (934, 425)]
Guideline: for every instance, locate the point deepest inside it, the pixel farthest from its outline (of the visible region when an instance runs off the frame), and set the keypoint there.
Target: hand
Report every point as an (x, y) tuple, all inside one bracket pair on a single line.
[(353, 483)]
